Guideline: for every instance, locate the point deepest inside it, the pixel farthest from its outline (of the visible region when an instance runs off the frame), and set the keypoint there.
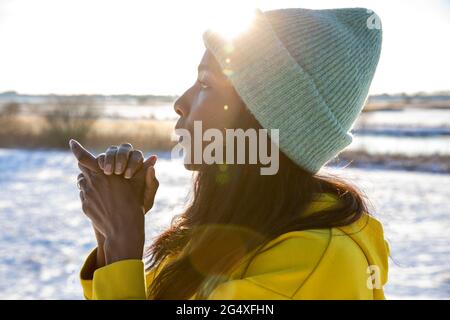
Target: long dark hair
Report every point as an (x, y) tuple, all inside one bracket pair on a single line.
[(234, 211)]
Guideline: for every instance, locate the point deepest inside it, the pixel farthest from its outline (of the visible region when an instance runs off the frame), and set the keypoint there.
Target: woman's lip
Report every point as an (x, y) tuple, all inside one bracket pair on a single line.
[(178, 125)]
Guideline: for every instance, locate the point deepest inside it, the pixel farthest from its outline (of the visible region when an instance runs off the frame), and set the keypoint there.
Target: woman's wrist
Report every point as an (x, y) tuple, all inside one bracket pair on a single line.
[(100, 259), (123, 248)]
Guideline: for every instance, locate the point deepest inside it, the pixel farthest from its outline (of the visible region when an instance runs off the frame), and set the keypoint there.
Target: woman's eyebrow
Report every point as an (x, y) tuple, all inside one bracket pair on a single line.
[(214, 75), (208, 68), (204, 70)]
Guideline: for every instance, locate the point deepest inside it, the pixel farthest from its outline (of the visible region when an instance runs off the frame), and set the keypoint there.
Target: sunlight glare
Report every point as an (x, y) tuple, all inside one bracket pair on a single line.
[(232, 21)]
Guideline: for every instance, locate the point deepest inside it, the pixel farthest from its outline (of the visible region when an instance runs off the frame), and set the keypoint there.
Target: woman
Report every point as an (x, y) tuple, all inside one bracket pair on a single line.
[(295, 234)]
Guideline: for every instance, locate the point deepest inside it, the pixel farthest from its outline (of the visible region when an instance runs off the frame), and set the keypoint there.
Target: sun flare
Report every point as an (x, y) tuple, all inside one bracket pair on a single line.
[(232, 21)]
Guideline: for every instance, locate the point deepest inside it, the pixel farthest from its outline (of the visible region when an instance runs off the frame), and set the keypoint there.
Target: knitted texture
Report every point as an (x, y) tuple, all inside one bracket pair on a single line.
[(304, 72)]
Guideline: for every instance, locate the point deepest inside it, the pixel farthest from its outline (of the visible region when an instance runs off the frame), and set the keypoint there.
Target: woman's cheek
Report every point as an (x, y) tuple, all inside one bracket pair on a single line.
[(218, 116)]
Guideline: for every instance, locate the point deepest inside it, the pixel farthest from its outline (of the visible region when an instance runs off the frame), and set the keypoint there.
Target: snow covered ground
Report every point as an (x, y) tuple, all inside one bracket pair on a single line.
[(44, 237)]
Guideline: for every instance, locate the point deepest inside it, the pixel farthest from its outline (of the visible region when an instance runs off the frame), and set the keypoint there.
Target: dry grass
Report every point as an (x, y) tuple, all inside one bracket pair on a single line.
[(142, 134), (33, 132)]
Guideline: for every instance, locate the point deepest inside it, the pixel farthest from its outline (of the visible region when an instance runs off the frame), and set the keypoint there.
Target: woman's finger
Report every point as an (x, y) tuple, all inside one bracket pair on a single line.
[(82, 197), (151, 183), (84, 171), (85, 207), (122, 158), (101, 161), (82, 184), (83, 156), (134, 163), (150, 161), (110, 158), (79, 179), (151, 187), (87, 174)]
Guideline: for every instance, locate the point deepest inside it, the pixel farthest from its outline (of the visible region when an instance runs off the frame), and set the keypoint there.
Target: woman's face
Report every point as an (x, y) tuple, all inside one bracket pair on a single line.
[(211, 100)]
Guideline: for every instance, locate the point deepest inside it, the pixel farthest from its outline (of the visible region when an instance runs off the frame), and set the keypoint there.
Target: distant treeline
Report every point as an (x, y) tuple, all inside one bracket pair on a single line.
[(419, 96), (13, 96)]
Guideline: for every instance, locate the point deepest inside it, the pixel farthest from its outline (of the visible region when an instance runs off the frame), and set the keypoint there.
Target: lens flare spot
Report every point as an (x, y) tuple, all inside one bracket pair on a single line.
[(228, 72), (229, 48)]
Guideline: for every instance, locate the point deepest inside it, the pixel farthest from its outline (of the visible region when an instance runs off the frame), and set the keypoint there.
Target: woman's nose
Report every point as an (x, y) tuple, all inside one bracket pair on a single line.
[(178, 109), (181, 105)]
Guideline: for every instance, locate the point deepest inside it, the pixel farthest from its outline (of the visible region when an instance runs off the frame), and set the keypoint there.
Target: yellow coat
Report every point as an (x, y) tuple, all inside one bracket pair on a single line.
[(348, 262)]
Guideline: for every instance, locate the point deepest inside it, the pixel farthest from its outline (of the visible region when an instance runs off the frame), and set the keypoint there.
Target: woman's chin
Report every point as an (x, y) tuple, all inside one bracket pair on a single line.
[(192, 167)]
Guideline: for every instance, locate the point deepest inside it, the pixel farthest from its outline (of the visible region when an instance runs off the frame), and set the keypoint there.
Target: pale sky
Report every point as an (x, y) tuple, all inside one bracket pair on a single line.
[(154, 47)]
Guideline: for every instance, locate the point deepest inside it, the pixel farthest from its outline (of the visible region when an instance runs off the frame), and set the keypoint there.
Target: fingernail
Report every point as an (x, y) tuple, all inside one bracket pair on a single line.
[(108, 169), (118, 168), (128, 174)]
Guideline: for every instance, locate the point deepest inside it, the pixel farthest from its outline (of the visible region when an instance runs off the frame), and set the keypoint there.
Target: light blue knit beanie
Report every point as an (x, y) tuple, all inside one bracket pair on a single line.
[(304, 72)]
